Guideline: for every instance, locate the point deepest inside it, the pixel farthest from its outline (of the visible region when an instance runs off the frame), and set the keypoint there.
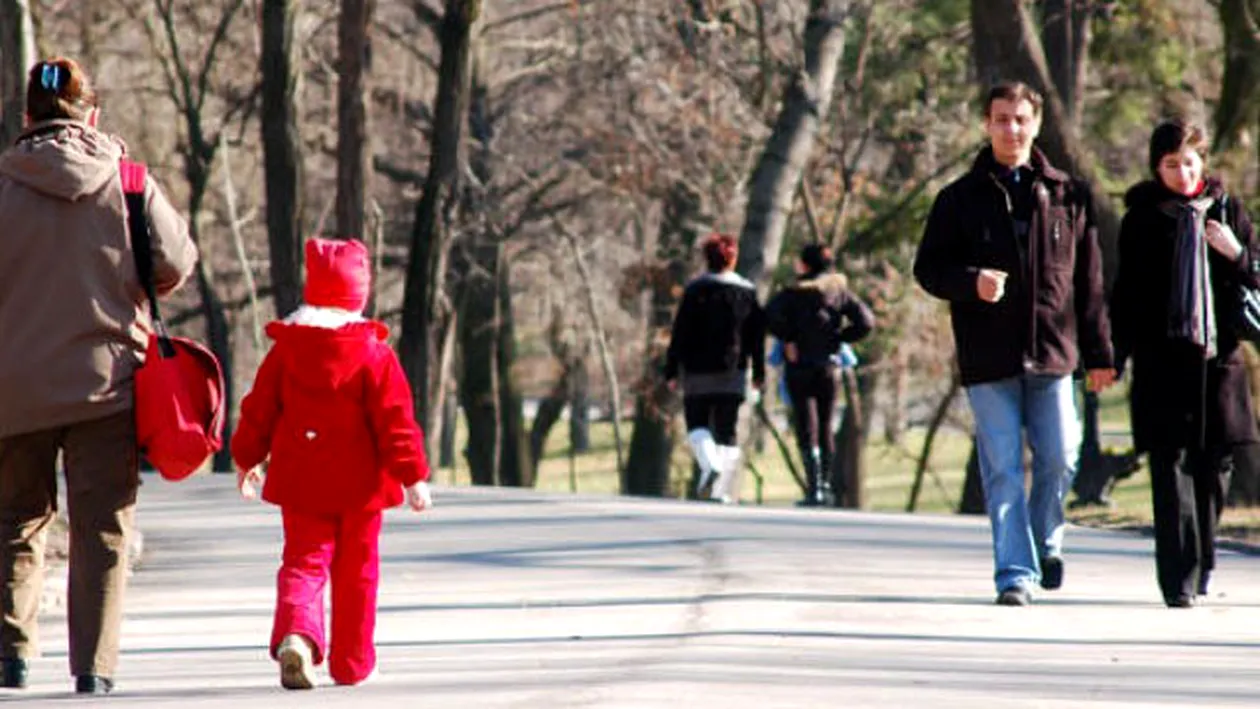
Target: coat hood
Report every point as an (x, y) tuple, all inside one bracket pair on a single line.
[(830, 284), (1150, 193), (326, 358), (66, 160)]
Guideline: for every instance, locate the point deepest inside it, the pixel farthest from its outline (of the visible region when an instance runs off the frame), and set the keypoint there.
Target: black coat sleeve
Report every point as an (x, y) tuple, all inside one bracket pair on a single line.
[(1093, 328), (1249, 262), (753, 341), (858, 317), (1123, 306), (776, 317), (940, 266), (678, 335)]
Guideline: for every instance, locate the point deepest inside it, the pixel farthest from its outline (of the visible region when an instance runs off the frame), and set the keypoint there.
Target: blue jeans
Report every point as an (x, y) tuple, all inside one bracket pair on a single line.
[(1025, 529)]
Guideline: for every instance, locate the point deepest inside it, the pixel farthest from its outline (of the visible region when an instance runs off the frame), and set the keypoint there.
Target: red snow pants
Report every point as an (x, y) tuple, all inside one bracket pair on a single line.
[(345, 549)]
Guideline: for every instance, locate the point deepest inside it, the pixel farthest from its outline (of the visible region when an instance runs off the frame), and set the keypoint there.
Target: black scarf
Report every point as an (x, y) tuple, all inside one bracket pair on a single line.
[(1191, 310)]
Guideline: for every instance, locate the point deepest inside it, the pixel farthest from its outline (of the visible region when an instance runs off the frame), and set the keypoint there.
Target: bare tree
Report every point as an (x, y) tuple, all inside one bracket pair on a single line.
[(17, 55), (1007, 47), (1238, 108), (282, 151), (774, 182), (652, 441), (424, 308), (354, 56), (1065, 28), (188, 85)]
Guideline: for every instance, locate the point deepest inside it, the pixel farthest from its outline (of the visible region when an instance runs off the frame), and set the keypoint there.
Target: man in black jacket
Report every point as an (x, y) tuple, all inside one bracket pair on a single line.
[(1013, 246)]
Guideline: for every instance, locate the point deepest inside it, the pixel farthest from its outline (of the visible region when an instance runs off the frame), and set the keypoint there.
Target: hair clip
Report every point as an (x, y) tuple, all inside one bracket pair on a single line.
[(50, 78)]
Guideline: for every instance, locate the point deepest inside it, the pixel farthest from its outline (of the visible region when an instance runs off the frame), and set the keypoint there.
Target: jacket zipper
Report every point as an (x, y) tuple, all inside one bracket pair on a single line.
[(1022, 255)]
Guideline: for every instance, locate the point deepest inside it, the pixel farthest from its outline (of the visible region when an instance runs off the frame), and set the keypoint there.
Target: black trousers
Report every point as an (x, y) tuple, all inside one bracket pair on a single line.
[(1188, 488), (717, 412), (813, 392)]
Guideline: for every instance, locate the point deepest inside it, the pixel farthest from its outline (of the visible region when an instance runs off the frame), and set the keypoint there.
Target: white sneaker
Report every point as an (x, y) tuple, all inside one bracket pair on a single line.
[(294, 656)]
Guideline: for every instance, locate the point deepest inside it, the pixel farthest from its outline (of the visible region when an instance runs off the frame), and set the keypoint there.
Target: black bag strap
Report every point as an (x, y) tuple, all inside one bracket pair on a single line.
[(134, 177)]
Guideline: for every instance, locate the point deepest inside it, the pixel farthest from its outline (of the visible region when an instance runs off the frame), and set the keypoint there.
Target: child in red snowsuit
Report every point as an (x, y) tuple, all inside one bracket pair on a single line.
[(332, 409)]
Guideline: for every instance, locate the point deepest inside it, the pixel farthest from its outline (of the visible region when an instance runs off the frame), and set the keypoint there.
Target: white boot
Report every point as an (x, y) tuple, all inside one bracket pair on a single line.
[(728, 470), (705, 450)]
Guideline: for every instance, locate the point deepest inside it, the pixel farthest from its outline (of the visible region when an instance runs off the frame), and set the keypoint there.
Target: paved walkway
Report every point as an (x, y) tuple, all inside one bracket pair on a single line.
[(520, 599)]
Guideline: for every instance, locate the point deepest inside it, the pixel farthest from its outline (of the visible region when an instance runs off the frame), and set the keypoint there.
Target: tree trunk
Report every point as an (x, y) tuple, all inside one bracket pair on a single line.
[(938, 420), (1065, 36), (895, 411), (17, 56), (446, 437), (848, 469), (282, 154), (424, 304), (1007, 48), (572, 356), (352, 134), (1238, 108), (516, 468), (774, 180), (549, 411), (652, 441), (580, 408), (971, 502), (218, 333), (478, 391)]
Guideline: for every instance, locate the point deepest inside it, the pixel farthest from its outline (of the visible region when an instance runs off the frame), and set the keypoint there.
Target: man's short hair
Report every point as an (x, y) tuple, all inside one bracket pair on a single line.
[(1013, 91)]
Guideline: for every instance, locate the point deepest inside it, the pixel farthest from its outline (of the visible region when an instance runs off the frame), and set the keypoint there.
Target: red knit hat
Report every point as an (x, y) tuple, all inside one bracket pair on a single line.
[(338, 274)]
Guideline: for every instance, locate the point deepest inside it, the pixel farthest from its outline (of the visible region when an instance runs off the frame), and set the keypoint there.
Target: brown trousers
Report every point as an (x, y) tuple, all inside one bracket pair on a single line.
[(102, 476)]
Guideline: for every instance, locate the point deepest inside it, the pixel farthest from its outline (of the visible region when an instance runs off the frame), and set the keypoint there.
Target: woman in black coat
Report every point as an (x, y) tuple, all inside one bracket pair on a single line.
[(813, 318), (718, 336), (1185, 246)]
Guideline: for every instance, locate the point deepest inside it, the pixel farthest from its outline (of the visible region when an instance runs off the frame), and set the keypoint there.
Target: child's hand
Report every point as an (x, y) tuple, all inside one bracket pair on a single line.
[(248, 482), (418, 497)]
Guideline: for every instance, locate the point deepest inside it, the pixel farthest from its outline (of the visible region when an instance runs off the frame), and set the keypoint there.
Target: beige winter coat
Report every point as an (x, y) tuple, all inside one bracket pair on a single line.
[(72, 322)]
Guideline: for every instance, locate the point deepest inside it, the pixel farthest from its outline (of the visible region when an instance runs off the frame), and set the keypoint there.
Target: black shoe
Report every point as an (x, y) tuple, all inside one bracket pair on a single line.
[(1182, 601), (13, 673), (1051, 572), (93, 684), (1014, 596), (1205, 581)]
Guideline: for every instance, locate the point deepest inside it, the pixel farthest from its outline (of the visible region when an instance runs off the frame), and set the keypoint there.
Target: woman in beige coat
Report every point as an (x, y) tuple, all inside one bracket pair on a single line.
[(72, 332)]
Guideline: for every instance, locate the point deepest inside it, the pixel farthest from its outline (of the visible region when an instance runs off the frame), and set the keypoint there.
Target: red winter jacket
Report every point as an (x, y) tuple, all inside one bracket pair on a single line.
[(334, 411)]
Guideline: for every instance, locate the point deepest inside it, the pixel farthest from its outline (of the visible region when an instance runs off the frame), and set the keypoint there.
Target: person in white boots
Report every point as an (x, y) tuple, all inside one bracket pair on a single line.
[(717, 337)]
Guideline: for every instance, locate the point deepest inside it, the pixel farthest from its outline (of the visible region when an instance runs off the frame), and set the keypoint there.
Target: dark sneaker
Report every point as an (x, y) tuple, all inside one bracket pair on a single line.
[(93, 684), (1182, 601), (13, 673), (1014, 596), (1051, 572), (1205, 582)]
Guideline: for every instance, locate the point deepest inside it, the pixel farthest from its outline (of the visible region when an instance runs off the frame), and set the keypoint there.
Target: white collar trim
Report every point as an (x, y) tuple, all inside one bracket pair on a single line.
[(327, 318)]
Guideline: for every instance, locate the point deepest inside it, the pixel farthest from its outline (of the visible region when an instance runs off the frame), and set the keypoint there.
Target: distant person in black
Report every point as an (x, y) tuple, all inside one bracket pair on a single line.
[(718, 334), (813, 318)]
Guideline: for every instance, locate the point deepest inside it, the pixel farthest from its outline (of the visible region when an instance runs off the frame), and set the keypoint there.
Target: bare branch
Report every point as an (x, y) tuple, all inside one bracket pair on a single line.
[(216, 41), (536, 13), (429, 17)]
